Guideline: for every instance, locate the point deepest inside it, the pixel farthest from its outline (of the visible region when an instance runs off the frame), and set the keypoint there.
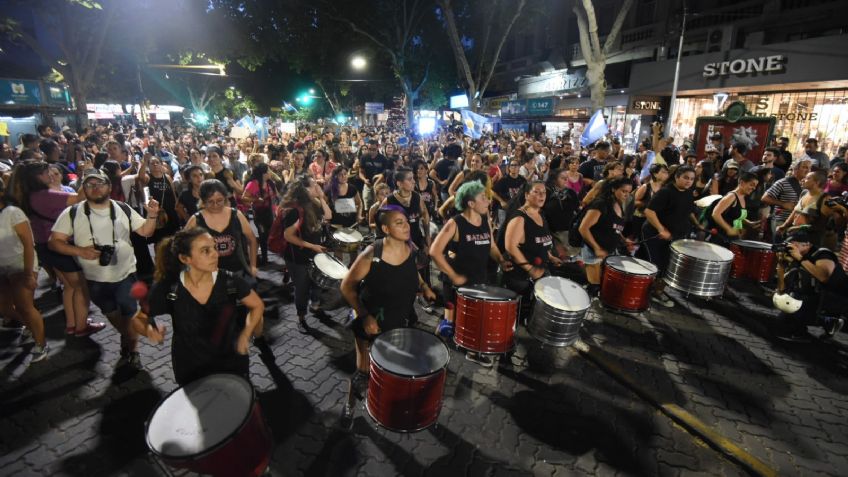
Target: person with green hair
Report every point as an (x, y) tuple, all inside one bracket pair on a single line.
[(461, 251)]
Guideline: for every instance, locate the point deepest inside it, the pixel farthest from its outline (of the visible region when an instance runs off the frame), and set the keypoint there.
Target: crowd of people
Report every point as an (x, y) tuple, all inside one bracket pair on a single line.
[(113, 209)]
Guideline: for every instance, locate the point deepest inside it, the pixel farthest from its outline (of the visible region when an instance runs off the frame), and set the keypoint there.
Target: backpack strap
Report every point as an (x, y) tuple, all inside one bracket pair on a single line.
[(378, 251)]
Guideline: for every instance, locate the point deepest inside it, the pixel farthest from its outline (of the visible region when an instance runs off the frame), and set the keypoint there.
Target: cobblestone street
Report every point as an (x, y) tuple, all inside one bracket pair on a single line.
[(541, 411)]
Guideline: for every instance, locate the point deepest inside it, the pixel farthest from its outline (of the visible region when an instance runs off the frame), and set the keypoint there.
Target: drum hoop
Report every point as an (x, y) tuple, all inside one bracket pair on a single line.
[(332, 258), (415, 376), (488, 299), (226, 440), (345, 241), (652, 274)]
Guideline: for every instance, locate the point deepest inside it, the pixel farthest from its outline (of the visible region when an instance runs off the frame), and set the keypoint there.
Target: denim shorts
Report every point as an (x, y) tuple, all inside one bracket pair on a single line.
[(114, 296), (588, 256)]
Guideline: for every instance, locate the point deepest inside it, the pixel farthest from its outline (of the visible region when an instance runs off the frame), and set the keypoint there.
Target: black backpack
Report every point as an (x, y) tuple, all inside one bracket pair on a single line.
[(574, 238)]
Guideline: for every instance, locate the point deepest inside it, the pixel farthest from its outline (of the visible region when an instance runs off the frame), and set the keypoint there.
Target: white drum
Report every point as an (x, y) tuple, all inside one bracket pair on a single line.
[(558, 312), (346, 240), (327, 271)]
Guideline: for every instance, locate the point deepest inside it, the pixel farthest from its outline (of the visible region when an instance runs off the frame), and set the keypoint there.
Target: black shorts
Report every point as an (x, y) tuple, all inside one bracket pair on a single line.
[(448, 290), (357, 326), (55, 260)]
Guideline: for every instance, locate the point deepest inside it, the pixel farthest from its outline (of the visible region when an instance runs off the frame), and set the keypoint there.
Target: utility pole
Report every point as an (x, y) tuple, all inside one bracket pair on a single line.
[(676, 74)]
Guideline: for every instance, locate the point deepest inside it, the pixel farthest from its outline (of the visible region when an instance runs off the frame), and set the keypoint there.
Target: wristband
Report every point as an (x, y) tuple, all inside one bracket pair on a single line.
[(153, 216)]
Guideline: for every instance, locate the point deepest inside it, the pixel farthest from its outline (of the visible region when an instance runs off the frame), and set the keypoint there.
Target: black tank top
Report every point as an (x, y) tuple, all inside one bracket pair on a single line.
[(413, 215), (232, 253), (427, 196), (471, 252), (392, 310), (537, 242)]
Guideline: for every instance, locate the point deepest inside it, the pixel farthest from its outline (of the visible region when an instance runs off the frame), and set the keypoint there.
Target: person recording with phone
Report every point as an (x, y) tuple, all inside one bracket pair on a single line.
[(97, 233)]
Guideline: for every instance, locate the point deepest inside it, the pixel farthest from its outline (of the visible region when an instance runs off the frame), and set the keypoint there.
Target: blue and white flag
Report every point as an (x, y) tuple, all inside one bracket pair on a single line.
[(646, 169), (596, 129), (473, 124), (261, 128), (247, 123)]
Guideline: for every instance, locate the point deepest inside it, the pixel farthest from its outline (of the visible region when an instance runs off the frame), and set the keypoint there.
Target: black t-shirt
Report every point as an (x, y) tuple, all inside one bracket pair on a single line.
[(444, 168), (371, 166), (560, 207), (300, 255), (189, 202), (609, 227), (203, 333), (509, 187), (673, 207), (592, 169)]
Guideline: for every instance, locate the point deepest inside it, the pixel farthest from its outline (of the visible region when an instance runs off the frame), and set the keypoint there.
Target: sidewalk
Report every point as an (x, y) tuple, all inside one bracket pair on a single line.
[(544, 411)]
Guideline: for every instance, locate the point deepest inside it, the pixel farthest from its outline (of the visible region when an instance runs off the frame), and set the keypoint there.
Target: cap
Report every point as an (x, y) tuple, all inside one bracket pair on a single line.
[(800, 233), (731, 164), (94, 174), (710, 148)]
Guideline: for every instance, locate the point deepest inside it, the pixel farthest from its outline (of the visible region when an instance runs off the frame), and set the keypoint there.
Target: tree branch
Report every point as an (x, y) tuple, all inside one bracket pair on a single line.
[(491, 68), (456, 44), (616, 26), (583, 34), (98, 43), (592, 22)]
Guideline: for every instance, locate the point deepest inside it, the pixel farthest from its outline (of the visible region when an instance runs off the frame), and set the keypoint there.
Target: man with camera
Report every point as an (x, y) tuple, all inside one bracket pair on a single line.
[(97, 232), (816, 288)]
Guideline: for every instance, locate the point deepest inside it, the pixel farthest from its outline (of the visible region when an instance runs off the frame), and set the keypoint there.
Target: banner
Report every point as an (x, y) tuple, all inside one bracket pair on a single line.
[(596, 129), (247, 123), (239, 132), (374, 108), (288, 128)]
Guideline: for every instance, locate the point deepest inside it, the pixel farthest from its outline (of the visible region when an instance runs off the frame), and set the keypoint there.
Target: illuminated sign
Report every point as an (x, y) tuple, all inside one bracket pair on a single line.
[(763, 64)]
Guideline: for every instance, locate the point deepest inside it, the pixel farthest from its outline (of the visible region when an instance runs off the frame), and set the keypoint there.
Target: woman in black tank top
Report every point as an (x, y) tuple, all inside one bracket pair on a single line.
[(463, 247), (529, 245), (389, 264), (407, 199)]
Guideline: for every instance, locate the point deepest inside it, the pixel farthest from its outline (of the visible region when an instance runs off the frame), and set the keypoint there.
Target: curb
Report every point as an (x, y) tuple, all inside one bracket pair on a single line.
[(692, 424)]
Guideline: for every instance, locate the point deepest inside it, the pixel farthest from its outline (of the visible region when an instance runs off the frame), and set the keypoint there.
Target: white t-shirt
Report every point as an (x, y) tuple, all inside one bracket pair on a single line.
[(123, 263), (11, 248)]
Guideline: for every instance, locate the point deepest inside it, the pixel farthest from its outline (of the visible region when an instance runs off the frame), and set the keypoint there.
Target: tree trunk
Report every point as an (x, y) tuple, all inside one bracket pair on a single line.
[(597, 83)]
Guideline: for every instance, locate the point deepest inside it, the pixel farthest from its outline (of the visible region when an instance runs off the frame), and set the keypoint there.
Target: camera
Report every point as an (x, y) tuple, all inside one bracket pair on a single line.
[(780, 247), (107, 254), (838, 200)]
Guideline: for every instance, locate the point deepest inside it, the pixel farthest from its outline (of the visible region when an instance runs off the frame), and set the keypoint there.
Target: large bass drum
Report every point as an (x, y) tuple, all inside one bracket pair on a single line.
[(558, 312), (698, 268)]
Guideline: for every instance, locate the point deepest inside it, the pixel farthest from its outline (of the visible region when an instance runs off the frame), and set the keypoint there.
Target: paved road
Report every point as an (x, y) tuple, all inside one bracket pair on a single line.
[(544, 411)]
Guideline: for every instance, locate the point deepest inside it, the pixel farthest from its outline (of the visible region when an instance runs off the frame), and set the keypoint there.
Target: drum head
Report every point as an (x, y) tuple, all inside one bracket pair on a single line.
[(561, 294), (752, 244), (347, 236), (487, 293), (330, 266), (409, 352), (199, 416), (631, 265), (709, 252)]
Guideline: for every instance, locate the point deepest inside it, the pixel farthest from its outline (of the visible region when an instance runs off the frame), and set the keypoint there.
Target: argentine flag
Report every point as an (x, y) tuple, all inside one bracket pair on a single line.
[(646, 169), (596, 129), (473, 124), (262, 128), (247, 122)]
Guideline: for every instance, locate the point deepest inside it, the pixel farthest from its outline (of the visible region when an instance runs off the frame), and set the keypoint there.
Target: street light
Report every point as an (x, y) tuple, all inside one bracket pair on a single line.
[(358, 63)]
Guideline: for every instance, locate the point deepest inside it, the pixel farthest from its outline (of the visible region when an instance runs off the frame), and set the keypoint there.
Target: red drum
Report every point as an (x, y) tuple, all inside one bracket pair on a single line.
[(211, 426), (752, 260), (626, 283), (408, 372), (485, 318)]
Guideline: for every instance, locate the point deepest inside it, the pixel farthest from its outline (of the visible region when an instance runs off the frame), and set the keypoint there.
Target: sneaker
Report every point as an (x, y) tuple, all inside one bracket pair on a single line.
[(445, 329), (315, 308), (832, 326), (26, 335), (481, 359), (134, 361), (662, 299), (90, 328), (39, 353), (302, 326), (425, 305)]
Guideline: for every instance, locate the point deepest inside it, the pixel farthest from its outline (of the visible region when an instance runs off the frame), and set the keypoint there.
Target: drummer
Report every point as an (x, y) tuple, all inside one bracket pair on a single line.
[(344, 201), (730, 215), (528, 243), (461, 251), (669, 216), (381, 288), (416, 212), (602, 229), (305, 210), (201, 300)]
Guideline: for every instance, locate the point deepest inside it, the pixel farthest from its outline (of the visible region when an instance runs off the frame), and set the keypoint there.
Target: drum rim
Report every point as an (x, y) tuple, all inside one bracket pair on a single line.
[(414, 376), (741, 243), (405, 431), (682, 242), (536, 296), (639, 260), (217, 446), (332, 258), (495, 299), (348, 230)]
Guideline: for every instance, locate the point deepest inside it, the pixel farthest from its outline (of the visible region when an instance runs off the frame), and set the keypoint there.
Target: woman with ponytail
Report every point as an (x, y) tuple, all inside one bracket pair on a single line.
[(203, 301)]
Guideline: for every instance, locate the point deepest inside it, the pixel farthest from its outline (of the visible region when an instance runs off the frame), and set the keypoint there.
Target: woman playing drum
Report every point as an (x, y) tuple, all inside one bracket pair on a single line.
[(730, 215), (202, 302), (528, 243), (467, 239), (381, 288), (602, 228), (670, 216)]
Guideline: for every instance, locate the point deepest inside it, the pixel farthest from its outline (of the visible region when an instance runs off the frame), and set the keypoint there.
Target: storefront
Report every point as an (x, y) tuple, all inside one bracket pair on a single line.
[(803, 85)]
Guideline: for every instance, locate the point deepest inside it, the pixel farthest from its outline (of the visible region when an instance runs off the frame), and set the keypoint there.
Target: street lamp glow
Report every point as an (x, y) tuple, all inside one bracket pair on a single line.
[(311, 91), (358, 63)]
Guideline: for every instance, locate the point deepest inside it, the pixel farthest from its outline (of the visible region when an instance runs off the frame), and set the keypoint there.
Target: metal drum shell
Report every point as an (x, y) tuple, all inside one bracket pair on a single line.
[(699, 276), (553, 324), (485, 324), (344, 246)]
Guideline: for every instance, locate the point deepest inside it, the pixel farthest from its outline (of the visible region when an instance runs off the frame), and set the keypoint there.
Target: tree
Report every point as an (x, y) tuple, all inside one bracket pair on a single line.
[(498, 18), (399, 34), (75, 31), (590, 46)]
